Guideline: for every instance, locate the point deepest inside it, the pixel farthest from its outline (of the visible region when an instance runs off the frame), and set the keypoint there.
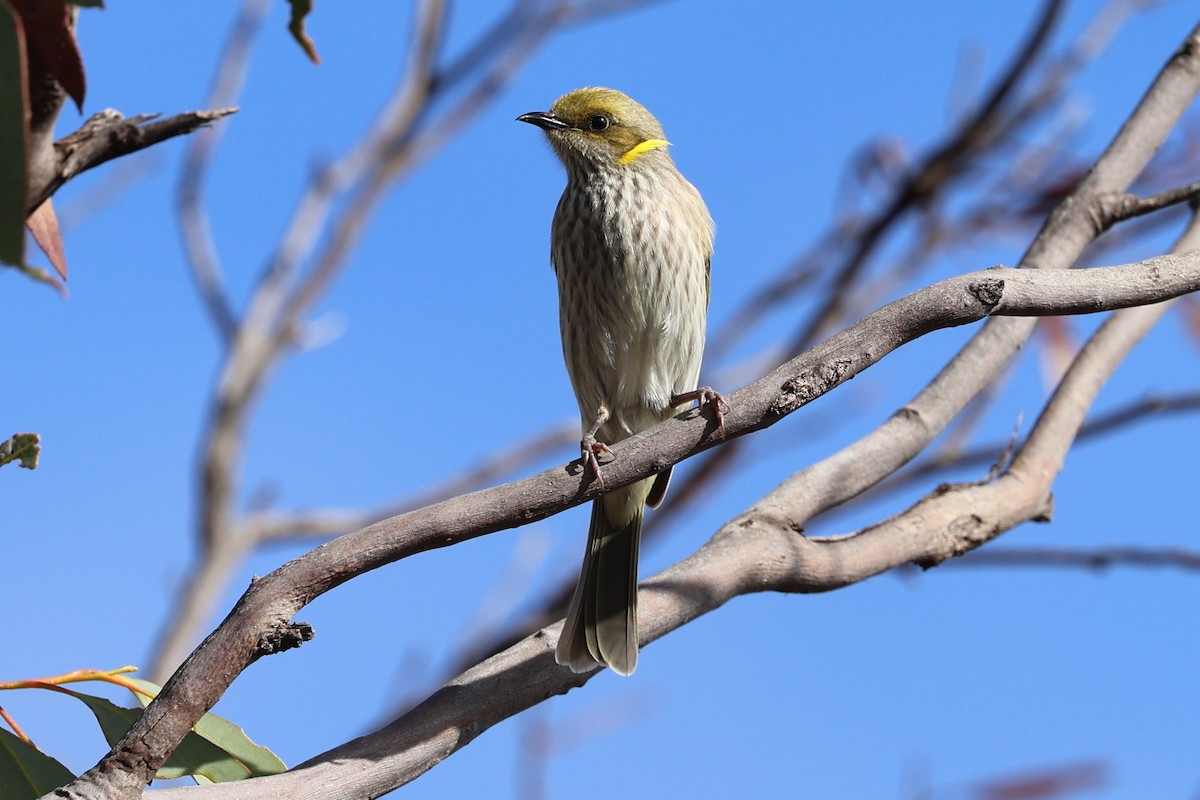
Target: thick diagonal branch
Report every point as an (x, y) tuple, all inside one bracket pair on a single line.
[(760, 550), (270, 603)]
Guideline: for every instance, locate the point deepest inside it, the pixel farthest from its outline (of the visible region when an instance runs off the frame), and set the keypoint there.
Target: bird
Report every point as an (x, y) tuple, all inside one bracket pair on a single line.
[(631, 244)]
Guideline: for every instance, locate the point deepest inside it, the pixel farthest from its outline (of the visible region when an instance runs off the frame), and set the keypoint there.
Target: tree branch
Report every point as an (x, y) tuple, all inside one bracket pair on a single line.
[(270, 603), (757, 551), (108, 135), (198, 243), (985, 454), (1103, 558)]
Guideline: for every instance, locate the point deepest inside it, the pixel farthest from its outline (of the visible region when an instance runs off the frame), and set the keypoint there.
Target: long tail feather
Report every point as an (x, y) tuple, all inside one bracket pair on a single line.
[(601, 626)]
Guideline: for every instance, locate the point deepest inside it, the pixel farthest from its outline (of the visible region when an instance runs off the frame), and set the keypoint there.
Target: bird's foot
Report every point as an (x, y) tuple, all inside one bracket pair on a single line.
[(590, 450), (706, 396)]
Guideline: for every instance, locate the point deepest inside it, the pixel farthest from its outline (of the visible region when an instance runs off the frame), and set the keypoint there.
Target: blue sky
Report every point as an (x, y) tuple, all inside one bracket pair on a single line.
[(443, 349)]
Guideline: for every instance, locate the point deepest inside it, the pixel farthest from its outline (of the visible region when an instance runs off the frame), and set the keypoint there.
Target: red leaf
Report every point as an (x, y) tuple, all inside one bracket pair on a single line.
[(49, 29), (43, 224)]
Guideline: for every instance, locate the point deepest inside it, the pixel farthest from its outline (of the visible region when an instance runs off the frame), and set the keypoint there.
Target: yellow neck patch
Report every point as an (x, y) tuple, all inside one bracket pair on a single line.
[(638, 149)]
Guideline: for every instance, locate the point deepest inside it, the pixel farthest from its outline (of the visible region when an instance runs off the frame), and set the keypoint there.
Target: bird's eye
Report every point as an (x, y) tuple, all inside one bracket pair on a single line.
[(599, 123)]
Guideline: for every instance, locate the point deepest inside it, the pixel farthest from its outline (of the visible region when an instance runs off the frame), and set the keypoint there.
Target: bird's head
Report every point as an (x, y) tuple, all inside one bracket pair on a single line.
[(598, 128)]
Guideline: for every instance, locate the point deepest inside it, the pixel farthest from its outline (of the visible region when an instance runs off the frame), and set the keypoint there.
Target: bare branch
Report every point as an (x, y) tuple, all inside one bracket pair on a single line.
[(1128, 206), (1100, 559), (193, 219), (108, 135), (269, 604), (760, 550), (982, 455)]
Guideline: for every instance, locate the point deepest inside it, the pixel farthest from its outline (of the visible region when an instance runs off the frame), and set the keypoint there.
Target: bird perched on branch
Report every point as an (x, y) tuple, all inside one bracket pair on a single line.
[(630, 245)]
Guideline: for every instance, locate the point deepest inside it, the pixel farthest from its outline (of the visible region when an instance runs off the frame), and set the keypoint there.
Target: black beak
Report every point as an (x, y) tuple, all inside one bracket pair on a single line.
[(544, 120)]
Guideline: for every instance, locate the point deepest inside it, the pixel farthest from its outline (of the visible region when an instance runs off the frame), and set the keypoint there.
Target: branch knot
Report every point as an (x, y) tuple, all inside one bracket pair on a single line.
[(281, 638), (809, 385), (987, 291)]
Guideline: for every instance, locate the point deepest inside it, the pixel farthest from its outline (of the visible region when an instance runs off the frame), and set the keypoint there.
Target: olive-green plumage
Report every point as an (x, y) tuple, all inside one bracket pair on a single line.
[(630, 245)]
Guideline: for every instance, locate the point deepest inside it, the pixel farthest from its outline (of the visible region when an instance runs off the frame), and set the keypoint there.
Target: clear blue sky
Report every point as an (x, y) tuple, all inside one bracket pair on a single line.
[(872, 692)]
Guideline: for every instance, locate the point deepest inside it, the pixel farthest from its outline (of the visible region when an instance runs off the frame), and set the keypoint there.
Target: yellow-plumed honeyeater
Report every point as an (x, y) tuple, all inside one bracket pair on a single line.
[(630, 245)]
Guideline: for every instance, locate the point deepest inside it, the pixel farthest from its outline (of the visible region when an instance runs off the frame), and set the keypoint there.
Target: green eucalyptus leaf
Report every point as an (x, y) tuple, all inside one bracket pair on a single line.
[(195, 755), (229, 737), (26, 772)]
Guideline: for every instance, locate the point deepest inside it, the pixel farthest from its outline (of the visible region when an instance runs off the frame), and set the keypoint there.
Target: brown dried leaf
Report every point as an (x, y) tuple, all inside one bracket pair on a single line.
[(43, 224), (49, 28)]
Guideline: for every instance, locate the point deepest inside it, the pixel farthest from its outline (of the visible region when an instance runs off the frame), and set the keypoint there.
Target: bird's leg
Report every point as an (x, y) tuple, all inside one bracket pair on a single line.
[(706, 396), (589, 448)]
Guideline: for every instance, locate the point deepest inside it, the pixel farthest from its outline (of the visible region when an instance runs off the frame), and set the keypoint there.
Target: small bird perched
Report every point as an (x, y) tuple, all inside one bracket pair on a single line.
[(630, 245)]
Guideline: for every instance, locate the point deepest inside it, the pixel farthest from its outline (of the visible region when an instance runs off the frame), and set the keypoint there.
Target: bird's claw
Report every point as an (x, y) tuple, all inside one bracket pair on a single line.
[(590, 449), (707, 396), (713, 399)]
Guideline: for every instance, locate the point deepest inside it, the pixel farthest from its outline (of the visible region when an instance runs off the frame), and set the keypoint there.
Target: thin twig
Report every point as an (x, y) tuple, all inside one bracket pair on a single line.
[(198, 244), (1099, 559)]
